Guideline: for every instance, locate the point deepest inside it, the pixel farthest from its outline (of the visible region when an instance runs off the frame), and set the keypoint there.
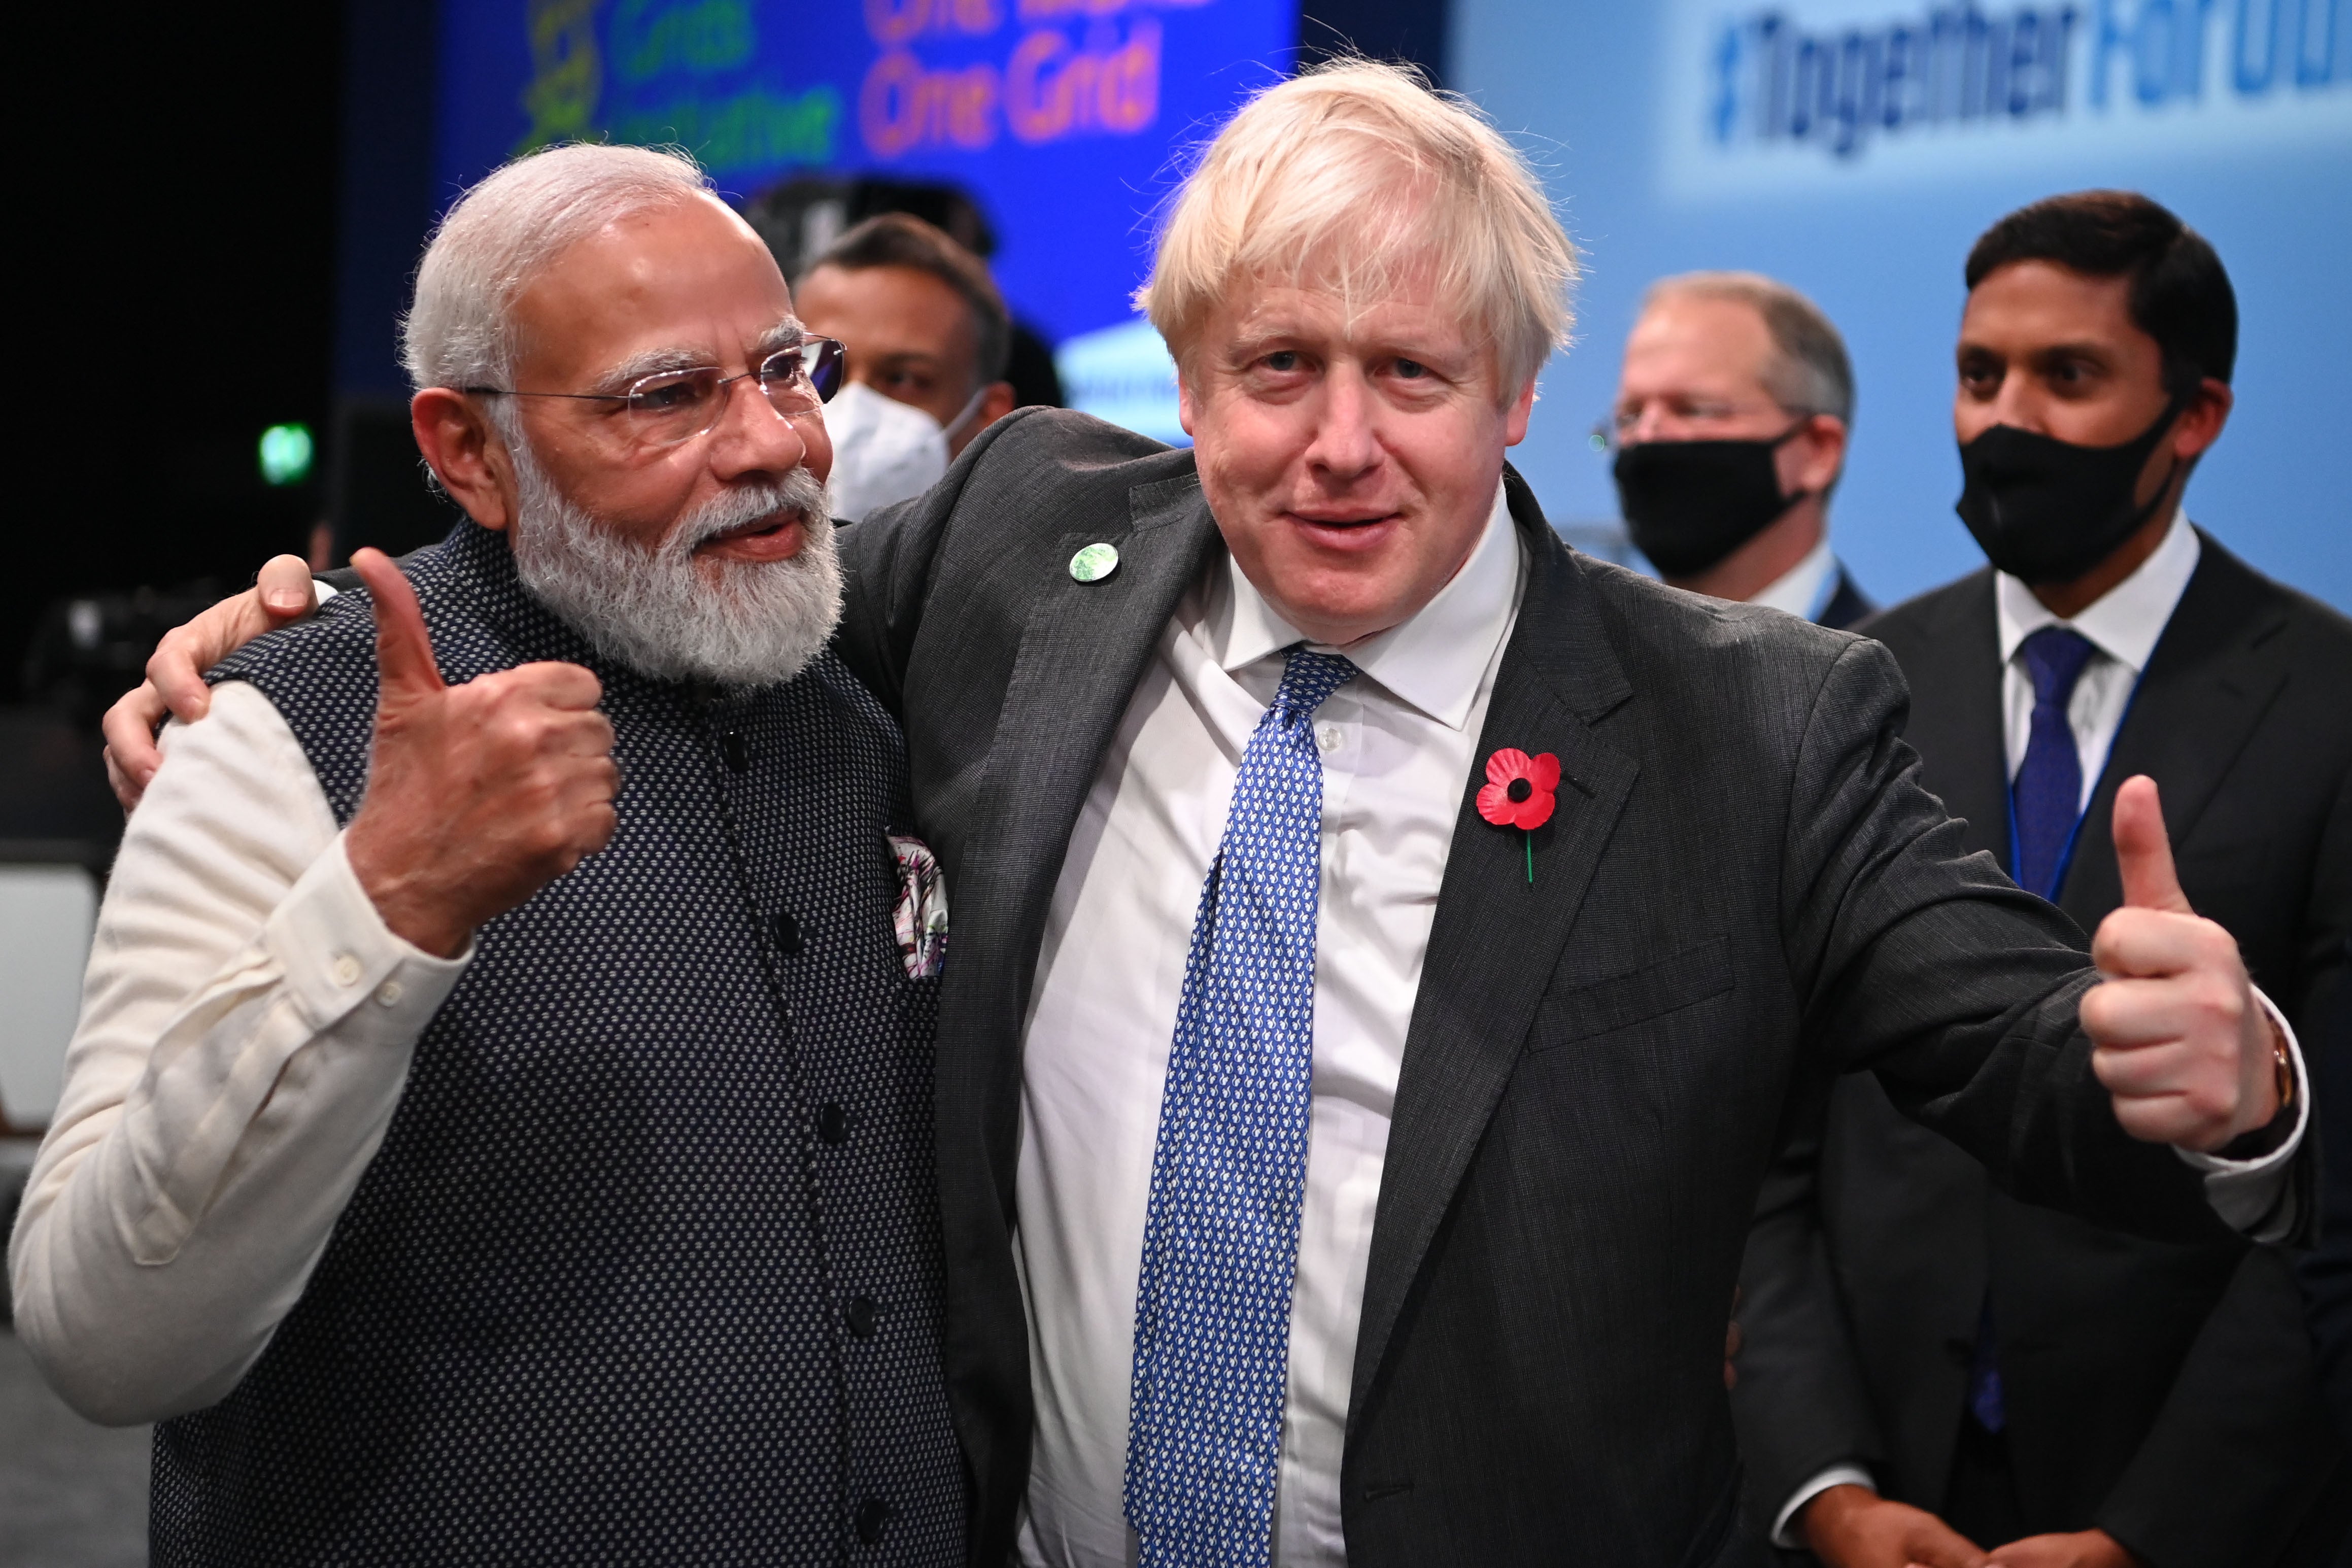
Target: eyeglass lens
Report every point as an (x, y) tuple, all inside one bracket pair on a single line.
[(679, 404)]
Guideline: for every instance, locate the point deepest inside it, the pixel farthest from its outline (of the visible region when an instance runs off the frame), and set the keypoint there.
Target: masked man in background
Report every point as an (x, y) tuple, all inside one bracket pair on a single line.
[(446, 1197), (1733, 408), (1919, 1344), (928, 338)]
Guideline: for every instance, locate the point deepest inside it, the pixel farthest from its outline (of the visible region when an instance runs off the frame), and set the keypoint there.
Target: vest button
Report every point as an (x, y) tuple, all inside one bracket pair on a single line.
[(862, 1314), (872, 1515), (731, 747), (832, 1122), (788, 935)]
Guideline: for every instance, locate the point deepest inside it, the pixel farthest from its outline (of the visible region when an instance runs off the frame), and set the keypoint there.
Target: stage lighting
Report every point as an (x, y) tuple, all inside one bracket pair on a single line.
[(285, 451)]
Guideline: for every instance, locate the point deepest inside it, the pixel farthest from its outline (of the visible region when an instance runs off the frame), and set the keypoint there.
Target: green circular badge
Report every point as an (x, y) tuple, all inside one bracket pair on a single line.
[(1095, 563)]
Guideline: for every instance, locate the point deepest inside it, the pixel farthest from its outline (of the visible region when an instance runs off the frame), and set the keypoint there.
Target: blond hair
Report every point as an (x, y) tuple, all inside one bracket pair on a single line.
[(1358, 176)]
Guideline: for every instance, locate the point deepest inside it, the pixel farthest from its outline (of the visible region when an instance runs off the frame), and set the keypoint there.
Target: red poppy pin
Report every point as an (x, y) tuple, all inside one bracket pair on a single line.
[(1518, 794)]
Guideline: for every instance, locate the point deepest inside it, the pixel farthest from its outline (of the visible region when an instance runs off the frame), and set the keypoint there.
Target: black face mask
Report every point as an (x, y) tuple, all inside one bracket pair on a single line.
[(1689, 504), (2046, 510)]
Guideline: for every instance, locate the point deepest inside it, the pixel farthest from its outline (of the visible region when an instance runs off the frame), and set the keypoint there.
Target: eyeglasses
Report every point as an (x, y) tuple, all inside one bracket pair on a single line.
[(1609, 432), (675, 405)]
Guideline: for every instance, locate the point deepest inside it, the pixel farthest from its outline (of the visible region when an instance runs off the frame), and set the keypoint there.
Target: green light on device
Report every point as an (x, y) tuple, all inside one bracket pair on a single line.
[(286, 454)]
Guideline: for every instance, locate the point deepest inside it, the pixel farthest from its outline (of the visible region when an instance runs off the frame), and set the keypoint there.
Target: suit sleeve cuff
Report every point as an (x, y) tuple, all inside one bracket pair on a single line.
[(2256, 1197), (1835, 1476)]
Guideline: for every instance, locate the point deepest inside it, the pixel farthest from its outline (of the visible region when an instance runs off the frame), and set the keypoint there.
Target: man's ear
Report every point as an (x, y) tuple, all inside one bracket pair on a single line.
[(1515, 417), (2201, 423), (467, 454), (1819, 456), (995, 402)]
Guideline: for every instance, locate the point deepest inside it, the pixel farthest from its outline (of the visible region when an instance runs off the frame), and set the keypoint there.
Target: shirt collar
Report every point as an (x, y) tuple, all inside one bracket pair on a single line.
[(1434, 660), (1801, 590), (2123, 623)]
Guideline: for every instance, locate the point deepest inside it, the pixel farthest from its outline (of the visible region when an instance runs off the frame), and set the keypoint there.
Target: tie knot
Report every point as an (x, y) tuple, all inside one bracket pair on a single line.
[(1307, 680), (2055, 657)]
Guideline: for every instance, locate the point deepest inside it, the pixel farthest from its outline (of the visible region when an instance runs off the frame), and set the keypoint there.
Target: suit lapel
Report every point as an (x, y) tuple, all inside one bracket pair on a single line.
[(1496, 939), (1083, 651), (2212, 677)]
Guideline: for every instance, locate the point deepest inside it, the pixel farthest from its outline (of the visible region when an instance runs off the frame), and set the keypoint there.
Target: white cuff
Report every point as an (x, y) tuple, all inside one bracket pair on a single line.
[(321, 592), (2247, 1193), (337, 953), (1835, 1476)]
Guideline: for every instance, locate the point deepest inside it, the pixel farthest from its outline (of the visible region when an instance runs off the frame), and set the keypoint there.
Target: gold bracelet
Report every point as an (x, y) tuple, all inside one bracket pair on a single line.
[(2282, 1064)]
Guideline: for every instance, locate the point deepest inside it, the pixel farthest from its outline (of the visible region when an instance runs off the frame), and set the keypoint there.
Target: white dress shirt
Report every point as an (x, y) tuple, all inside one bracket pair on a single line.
[(246, 1029), (1398, 742), (2123, 626), (1803, 590)]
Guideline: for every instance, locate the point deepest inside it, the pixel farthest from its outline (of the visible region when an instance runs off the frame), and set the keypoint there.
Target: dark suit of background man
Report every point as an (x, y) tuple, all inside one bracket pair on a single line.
[(1732, 413), (1908, 1328), (1548, 1053)]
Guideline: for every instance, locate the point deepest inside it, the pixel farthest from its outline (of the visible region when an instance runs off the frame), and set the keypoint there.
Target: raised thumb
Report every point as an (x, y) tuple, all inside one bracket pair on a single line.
[(404, 648), (2143, 850)]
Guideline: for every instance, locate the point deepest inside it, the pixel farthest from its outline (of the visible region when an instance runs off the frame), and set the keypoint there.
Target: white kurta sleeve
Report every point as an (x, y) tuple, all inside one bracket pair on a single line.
[(246, 1030)]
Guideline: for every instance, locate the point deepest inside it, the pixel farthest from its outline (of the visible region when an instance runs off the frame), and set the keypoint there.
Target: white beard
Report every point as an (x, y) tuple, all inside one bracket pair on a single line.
[(663, 613)]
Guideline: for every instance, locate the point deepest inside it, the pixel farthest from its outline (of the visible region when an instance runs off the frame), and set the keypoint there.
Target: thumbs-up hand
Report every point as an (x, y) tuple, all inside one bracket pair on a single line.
[(2179, 1038), (479, 794)]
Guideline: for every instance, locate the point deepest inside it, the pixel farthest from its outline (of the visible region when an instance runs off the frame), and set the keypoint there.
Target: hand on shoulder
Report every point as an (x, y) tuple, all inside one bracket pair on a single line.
[(175, 687)]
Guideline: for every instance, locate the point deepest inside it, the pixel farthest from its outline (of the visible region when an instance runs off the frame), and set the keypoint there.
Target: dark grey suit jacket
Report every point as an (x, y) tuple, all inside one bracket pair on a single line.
[(2166, 1394), (1743, 887)]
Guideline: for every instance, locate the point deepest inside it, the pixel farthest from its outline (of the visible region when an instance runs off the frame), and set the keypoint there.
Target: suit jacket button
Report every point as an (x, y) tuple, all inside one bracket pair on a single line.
[(731, 747), (788, 935), (862, 1314), (832, 1122), (872, 1515)]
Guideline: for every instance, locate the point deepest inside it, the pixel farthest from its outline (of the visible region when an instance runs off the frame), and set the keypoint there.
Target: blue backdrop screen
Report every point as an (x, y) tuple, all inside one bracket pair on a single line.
[(1856, 148), (1066, 117)]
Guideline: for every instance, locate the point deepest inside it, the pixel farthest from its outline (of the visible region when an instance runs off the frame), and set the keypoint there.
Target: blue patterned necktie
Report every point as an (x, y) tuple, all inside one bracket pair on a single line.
[(2047, 794), (1221, 1234)]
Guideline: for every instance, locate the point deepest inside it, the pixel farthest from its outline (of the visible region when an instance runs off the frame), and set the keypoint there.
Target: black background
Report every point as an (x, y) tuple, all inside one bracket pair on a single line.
[(177, 277)]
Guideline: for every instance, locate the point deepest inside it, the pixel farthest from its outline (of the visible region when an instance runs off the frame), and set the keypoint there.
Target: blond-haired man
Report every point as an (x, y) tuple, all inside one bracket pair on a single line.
[(1386, 941)]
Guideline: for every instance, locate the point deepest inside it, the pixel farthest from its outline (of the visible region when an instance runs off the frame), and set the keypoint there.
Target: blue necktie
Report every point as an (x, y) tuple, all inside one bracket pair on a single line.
[(1221, 1233), (2047, 794), (2046, 799)]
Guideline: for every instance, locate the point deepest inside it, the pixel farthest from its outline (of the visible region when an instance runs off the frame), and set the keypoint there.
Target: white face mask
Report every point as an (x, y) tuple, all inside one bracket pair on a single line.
[(884, 451)]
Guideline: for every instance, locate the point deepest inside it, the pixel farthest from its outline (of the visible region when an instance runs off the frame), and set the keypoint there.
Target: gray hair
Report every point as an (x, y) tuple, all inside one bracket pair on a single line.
[(458, 331), (1809, 372)]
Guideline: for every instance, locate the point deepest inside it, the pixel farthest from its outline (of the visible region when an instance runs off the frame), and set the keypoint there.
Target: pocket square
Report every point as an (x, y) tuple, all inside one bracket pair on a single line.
[(921, 916)]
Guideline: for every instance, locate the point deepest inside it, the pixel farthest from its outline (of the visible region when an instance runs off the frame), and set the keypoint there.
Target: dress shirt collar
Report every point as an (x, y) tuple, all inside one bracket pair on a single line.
[(1434, 661), (2126, 621), (1804, 588)]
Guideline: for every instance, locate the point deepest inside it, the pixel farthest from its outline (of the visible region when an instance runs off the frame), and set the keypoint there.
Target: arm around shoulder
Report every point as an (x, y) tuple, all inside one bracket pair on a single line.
[(887, 559)]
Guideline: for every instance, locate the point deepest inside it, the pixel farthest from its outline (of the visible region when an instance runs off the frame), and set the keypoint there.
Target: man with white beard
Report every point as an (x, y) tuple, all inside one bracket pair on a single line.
[(498, 1126)]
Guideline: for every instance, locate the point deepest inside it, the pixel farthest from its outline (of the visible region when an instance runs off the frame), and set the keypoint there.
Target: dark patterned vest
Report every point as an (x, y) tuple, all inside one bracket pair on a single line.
[(647, 1269)]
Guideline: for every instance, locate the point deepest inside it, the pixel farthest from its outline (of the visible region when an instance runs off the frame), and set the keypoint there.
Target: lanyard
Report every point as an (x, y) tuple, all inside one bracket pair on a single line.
[(2066, 855)]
